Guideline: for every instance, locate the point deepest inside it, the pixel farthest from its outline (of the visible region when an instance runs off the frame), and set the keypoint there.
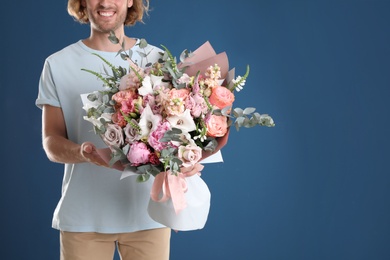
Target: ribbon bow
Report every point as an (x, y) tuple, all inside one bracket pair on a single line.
[(173, 186)]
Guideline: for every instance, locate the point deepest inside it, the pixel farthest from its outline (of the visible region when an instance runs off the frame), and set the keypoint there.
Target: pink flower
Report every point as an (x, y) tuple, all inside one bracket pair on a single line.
[(138, 154), (184, 79), (175, 103), (216, 126), (189, 154), (153, 158), (132, 133), (131, 80), (124, 95), (151, 101), (113, 135), (179, 93), (197, 105), (156, 135), (118, 119), (221, 97)]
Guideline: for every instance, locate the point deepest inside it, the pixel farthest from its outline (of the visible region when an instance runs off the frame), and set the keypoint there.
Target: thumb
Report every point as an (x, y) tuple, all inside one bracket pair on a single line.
[(87, 147)]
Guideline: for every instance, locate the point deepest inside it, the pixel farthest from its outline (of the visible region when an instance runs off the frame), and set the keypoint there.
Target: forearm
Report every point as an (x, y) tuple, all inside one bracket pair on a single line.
[(61, 150)]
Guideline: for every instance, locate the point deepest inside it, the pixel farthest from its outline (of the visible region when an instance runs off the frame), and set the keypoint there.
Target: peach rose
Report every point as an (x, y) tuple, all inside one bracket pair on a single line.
[(221, 97), (216, 126)]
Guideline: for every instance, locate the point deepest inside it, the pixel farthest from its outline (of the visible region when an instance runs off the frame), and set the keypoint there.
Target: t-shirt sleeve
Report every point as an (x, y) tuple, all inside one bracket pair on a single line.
[(47, 92)]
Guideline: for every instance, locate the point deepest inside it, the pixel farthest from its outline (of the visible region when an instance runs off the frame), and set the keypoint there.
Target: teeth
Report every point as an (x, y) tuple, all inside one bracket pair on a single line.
[(106, 14)]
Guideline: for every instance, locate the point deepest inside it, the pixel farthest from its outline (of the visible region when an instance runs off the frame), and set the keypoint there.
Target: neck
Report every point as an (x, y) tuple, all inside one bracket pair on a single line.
[(99, 41)]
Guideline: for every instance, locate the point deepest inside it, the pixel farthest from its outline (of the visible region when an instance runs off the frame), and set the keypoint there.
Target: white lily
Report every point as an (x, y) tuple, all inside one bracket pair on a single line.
[(148, 121), (148, 84), (146, 87), (184, 121)]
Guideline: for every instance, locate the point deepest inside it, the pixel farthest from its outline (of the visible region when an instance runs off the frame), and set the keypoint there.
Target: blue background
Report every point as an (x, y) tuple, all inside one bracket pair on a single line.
[(314, 187)]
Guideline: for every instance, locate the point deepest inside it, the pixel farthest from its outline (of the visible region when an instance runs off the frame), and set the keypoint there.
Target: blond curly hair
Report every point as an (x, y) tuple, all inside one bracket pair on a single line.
[(134, 14)]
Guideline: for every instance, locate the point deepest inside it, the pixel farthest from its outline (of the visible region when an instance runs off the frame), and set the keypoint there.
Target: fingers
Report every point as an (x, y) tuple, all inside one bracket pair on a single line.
[(87, 148), (89, 153)]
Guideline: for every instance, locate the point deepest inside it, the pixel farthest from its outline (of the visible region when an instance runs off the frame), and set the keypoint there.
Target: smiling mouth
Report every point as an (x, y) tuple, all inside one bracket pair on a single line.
[(106, 13)]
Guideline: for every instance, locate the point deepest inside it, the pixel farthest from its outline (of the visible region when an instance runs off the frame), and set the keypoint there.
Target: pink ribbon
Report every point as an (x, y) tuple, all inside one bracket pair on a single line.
[(173, 186)]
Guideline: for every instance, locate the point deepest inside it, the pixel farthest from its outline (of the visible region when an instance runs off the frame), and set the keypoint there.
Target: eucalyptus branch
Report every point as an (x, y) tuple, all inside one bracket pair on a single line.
[(105, 81)]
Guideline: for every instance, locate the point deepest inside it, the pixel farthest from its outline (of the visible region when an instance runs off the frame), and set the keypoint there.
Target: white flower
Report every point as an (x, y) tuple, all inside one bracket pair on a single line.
[(239, 82), (148, 121), (88, 104), (149, 82), (184, 79), (185, 138), (146, 87), (183, 121), (96, 122)]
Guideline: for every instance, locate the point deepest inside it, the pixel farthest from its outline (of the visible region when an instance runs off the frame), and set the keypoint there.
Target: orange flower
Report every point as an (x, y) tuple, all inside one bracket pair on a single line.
[(216, 126), (221, 97)]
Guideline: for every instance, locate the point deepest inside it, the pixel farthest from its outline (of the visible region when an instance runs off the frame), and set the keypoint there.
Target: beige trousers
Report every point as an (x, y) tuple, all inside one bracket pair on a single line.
[(151, 244)]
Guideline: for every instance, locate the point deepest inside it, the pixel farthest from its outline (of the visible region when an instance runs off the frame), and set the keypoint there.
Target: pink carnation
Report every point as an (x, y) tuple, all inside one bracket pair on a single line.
[(156, 135), (124, 95), (197, 105)]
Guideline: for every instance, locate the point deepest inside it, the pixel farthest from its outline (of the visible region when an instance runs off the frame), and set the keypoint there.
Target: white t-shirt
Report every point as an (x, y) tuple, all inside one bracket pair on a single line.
[(94, 199)]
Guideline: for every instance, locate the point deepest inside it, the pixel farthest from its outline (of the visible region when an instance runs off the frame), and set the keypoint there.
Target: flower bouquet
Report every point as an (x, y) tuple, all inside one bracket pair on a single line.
[(162, 119)]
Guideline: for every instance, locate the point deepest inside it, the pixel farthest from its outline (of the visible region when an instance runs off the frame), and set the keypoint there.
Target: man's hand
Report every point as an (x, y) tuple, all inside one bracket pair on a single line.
[(89, 153)]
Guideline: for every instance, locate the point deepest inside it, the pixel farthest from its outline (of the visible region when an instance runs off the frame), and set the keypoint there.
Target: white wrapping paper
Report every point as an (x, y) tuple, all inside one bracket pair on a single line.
[(193, 217)]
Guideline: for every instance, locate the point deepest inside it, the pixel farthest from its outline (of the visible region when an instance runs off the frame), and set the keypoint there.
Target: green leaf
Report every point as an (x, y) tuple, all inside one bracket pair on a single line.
[(92, 97), (184, 55), (143, 177), (237, 112), (211, 145), (113, 38), (143, 55), (143, 43), (217, 112), (225, 110), (123, 56), (130, 53), (249, 110)]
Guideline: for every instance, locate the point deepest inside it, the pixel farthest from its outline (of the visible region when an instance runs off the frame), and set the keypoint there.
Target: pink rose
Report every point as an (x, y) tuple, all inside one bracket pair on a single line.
[(216, 126), (132, 133), (113, 135), (221, 97), (189, 154), (138, 154)]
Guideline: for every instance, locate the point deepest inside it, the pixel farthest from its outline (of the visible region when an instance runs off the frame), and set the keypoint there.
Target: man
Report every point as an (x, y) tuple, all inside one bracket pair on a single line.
[(97, 212)]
